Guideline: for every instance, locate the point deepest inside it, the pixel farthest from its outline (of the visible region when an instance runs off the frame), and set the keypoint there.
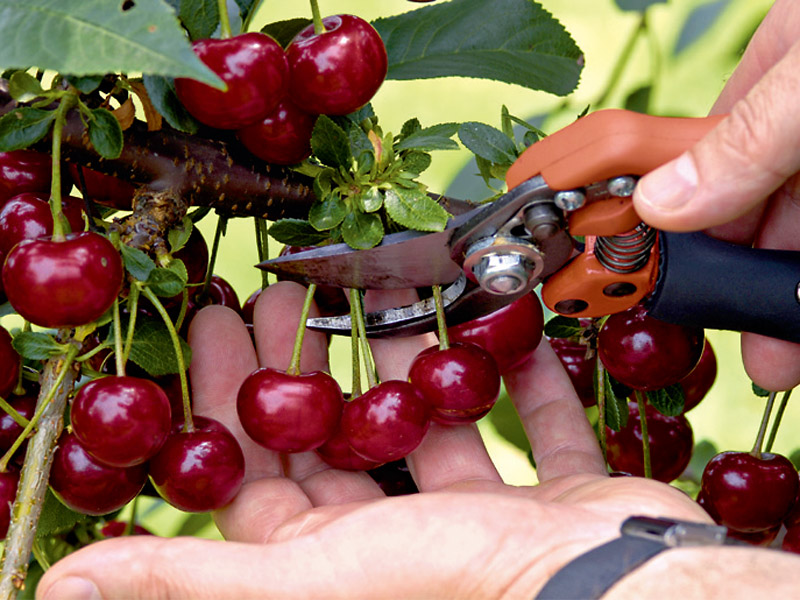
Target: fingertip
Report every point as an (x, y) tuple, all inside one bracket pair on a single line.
[(69, 588), (662, 196)]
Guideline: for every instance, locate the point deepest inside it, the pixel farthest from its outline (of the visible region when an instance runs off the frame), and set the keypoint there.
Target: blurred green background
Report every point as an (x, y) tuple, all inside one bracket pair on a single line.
[(689, 50)]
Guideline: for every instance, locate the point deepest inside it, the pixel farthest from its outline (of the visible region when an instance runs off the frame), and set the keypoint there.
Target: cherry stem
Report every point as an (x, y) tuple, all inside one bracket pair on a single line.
[(262, 242), (119, 352), (294, 365), (133, 310), (55, 181), (762, 429), (39, 555), (10, 410), (131, 523), (355, 298), (600, 380), (648, 469), (222, 226), (253, 10), (184, 308), (188, 422), (441, 323), (224, 20), (369, 366), (777, 420), (316, 16)]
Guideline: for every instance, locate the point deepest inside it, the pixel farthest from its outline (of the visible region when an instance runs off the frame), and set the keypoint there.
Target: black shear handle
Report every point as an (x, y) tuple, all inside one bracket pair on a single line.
[(708, 283)]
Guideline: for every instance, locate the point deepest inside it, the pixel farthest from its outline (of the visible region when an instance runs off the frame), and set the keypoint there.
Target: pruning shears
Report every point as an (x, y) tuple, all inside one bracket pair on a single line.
[(568, 222)]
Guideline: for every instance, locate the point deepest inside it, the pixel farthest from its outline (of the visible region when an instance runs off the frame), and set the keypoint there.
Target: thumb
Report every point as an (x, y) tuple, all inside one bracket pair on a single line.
[(736, 166)]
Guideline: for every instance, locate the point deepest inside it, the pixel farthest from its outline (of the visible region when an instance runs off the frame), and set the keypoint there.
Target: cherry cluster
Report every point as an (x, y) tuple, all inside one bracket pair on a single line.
[(274, 96)]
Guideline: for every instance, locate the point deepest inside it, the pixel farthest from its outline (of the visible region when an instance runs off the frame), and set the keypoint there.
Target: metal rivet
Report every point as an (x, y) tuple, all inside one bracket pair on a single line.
[(622, 186), (569, 200)]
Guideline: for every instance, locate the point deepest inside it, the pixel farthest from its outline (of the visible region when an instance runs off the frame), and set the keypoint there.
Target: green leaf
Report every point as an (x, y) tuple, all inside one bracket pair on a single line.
[(36, 345), (24, 87), (330, 143), (639, 99), (283, 32), (759, 391), (137, 263), (23, 127), (85, 84), (371, 200), (410, 127), (488, 142), (616, 406), (161, 91), (668, 401), (168, 281), (178, 236), (362, 230), (703, 451), (245, 7), (152, 348), (637, 5), (56, 518), (6, 309), (562, 327), (699, 21), (200, 17), (296, 232), (88, 37), (328, 213), (436, 137), (414, 209), (416, 162), (105, 133), (515, 41)]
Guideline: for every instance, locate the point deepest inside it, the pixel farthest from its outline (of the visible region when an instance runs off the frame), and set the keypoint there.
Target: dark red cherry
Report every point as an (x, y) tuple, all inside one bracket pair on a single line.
[(9, 365), (749, 493), (460, 384), (337, 453), (671, 443), (338, 71), (2, 291), (509, 334), (24, 171), (762, 538), (283, 137), (104, 189), (581, 370), (387, 422), (194, 255), (9, 480), (254, 68), (697, 383), (122, 421), (394, 478), (219, 292), (201, 470), (114, 529), (63, 284), (249, 306), (10, 430), (289, 413), (647, 354), (88, 486), (28, 216)]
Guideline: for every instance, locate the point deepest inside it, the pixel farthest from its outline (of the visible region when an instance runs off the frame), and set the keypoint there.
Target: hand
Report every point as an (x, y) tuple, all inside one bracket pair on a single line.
[(301, 529), (741, 181)]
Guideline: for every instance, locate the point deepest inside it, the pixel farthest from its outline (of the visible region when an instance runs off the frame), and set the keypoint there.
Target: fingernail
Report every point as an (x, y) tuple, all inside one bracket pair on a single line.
[(73, 588), (671, 186)]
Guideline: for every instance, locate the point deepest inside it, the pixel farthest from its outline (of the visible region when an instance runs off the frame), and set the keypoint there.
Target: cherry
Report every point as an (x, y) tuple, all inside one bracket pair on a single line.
[(249, 307), (114, 529), (121, 421), (336, 452), (9, 365), (644, 353), (283, 137), (394, 478), (338, 71), (762, 538), (219, 292), (289, 413), (63, 284), (749, 493), (10, 430), (581, 370), (200, 470), (28, 216), (697, 383), (461, 383), (254, 68), (24, 171), (86, 485), (2, 291), (104, 189), (509, 334), (387, 422), (9, 480), (671, 442)]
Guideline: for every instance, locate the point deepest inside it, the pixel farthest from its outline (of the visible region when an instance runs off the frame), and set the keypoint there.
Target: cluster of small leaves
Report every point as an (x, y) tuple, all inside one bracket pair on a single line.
[(365, 182)]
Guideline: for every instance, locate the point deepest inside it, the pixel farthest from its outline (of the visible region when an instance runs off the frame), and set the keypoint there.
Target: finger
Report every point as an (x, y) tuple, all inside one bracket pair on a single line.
[(222, 357), (562, 440), (737, 165)]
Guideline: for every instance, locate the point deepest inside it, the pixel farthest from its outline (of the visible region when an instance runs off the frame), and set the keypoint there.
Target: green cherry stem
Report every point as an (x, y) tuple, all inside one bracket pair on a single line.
[(777, 420), (600, 380), (441, 323), (12, 412), (133, 309), (119, 352), (762, 429), (648, 469), (224, 20), (319, 28), (219, 232), (369, 366), (131, 522), (294, 365), (262, 243), (188, 422), (67, 102), (355, 298)]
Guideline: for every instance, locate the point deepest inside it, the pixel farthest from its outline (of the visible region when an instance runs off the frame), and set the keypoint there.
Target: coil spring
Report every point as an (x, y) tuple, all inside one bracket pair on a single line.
[(626, 252)]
